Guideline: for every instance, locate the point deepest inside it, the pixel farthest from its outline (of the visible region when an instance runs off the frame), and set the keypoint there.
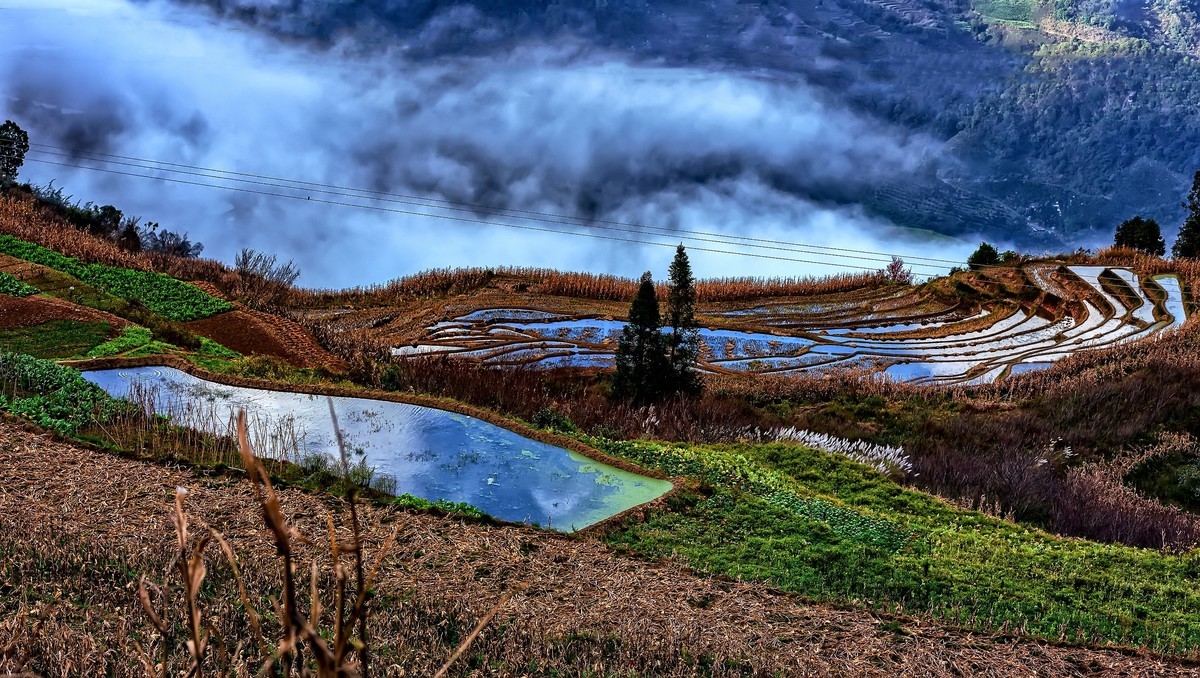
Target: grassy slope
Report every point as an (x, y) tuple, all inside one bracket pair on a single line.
[(962, 565), (55, 339), (162, 294)]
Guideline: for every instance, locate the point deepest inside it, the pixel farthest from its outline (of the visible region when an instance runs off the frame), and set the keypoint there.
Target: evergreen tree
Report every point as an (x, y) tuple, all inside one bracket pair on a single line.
[(1188, 242), (642, 365), (986, 255), (14, 144), (1141, 234), (683, 343)]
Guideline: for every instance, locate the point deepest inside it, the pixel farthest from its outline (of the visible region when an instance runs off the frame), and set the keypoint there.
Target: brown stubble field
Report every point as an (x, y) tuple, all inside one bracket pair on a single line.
[(79, 528)]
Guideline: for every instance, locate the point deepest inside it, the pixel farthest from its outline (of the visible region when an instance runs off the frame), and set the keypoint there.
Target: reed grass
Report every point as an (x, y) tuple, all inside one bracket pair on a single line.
[(595, 286)]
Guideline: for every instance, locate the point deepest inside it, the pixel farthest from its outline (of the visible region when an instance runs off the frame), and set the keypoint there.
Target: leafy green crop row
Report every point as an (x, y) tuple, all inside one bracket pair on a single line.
[(15, 288), (734, 471), (54, 339), (53, 396), (160, 293), (131, 337)]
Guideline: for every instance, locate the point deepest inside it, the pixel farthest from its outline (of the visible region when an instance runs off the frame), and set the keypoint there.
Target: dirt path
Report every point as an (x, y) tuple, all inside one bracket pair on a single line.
[(67, 514)]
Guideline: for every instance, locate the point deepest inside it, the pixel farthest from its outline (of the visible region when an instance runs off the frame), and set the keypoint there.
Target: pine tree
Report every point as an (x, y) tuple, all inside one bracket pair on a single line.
[(1188, 242), (1141, 234), (642, 366), (683, 343)]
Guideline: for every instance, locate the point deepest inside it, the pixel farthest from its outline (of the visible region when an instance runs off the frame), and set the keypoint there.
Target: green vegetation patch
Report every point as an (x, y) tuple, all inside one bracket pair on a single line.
[(212, 349), (137, 342), (1006, 10), (962, 566), (410, 502), (130, 338), (15, 288), (62, 286), (733, 471), (160, 293), (55, 339), (53, 396)]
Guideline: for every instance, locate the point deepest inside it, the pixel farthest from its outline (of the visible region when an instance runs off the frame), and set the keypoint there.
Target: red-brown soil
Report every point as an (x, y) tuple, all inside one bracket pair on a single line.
[(29, 311), (251, 332)]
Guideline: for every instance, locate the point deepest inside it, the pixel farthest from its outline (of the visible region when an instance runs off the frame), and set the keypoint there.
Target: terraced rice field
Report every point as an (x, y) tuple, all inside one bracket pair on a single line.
[(902, 336), (430, 453)]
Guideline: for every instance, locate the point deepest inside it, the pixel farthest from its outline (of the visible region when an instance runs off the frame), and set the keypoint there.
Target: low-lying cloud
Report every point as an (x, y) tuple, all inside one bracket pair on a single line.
[(555, 126)]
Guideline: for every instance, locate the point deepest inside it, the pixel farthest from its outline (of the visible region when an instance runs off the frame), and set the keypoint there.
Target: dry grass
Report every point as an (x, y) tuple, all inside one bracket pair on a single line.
[(78, 527), (24, 218), (549, 282), (342, 652)]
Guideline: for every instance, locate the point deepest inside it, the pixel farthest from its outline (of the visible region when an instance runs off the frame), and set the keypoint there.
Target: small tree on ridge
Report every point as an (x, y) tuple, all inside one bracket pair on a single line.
[(985, 256), (14, 144), (1141, 234)]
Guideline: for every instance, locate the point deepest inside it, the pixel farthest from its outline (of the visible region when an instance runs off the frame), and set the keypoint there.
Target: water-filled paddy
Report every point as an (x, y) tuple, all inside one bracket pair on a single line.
[(962, 351), (432, 453)]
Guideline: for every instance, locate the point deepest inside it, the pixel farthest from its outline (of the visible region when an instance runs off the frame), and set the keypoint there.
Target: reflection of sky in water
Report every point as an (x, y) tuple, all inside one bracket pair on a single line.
[(1020, 337), (724, 344), (433, 454), (1174, 303), (1022, 368)]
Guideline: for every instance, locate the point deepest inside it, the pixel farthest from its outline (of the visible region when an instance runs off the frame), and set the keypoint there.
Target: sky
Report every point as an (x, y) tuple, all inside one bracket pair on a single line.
[(516, 144)]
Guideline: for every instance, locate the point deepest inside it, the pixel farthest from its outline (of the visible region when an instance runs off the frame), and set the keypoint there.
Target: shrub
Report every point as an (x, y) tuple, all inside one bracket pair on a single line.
[(552, 419), (897, 273), (262, 279)]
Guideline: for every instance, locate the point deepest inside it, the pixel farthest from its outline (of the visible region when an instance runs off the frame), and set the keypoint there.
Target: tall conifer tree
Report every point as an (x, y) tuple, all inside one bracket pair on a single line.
[(643, 370), (683, 342), (1188, 242)]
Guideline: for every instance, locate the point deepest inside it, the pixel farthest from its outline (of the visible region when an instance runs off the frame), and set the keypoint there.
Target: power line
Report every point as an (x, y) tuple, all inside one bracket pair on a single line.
[(533, 215), (478, 221), (838, 265), (435, 206), (449, 217)]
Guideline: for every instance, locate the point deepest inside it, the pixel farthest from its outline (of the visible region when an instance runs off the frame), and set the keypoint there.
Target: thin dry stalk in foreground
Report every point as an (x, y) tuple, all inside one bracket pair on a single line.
[(299, 632), (470, 639)]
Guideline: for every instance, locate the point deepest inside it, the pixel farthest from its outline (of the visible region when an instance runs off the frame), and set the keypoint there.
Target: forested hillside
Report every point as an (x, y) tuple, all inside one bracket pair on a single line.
[(1059, 118)]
